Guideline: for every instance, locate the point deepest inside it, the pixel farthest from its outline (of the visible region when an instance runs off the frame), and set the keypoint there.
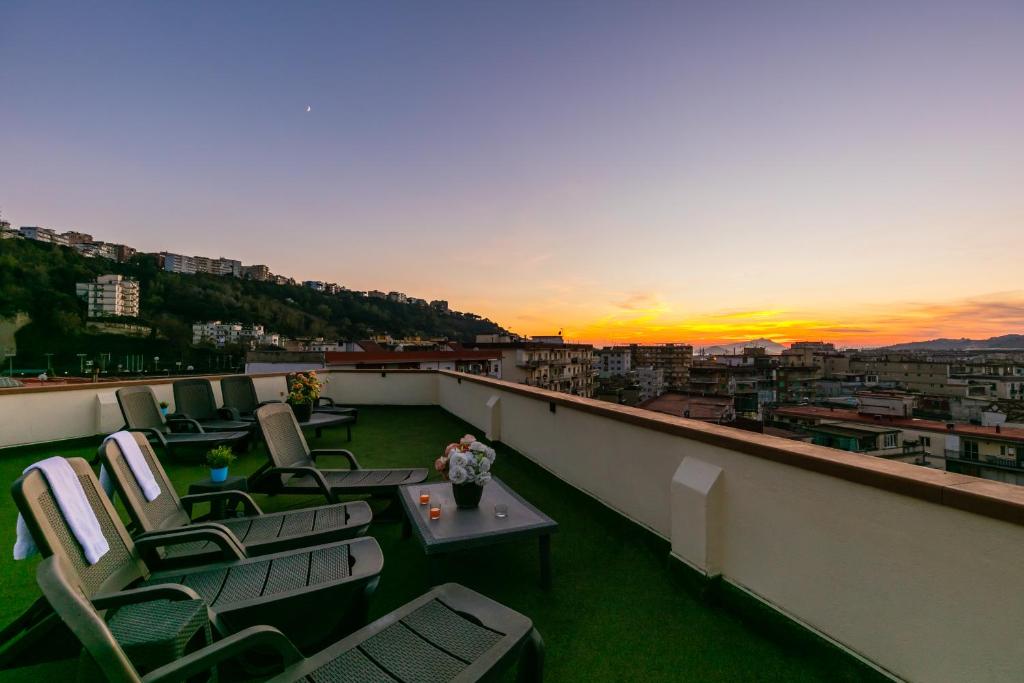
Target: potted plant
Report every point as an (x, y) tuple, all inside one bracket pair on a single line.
[(218, 460), (303, 392), (467, 465), (164, 407)]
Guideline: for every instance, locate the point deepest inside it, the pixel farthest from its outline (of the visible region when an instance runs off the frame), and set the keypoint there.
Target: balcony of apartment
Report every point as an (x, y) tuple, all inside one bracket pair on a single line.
[(1007, 462), (686, 551)]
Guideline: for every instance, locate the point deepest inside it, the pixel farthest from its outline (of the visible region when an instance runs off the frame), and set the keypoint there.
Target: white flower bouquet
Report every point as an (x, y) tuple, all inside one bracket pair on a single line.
[(466, 462)]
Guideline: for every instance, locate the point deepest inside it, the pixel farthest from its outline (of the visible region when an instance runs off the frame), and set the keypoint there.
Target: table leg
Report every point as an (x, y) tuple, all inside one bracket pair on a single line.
[(545, 562)]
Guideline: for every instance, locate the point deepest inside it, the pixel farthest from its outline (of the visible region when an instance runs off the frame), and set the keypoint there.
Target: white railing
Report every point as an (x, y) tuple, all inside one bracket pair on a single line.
[(910, 568)]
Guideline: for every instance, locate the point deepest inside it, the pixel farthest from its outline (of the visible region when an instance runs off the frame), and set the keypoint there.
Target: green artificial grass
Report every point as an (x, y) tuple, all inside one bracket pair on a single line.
[(617, 610)]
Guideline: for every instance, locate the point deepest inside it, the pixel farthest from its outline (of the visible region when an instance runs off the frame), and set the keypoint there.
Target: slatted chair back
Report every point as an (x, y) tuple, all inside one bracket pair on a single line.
[(285, 443), (140, 409), (163, 512), (118, 567), (240, 393), (194, 398), (57, 582)]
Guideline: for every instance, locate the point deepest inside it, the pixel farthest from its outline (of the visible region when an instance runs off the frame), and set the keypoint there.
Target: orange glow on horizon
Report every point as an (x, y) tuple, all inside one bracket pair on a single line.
[(654, 322)]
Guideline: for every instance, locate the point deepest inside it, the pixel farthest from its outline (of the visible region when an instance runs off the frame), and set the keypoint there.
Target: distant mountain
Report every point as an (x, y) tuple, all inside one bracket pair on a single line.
[(1006, 341), (771, 347)]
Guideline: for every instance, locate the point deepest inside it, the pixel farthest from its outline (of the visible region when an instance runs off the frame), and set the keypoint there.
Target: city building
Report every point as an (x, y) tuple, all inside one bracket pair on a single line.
[(612, 361), (376, 294), (177, 263), (440, 305), (673, 359), (650, 380), (315, 285), (74, 238), (32, 232), (398, 297), (223, 334), (259, 273), (110, 296), (7, 232), (553, 365)]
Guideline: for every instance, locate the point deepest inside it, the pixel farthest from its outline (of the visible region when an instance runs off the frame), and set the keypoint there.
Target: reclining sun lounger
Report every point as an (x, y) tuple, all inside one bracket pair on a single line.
[(287, 590), (449, 634), (258, 533), (142, 414), (294, 469)]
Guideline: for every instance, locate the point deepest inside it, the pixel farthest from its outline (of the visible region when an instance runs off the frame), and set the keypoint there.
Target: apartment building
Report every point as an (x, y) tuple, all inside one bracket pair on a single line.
[(553, 365), (33, 232), (992, 452), (613, 361), (7, 232), (440, 305), (110, 295), (315, 285), (260, 273), (674, 359), (650, 380), (190, 265), (398, 297), (222, 334)]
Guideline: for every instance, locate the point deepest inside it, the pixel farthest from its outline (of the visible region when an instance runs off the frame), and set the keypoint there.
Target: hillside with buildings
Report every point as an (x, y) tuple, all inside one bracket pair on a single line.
[(79, 302), (1005, 341)]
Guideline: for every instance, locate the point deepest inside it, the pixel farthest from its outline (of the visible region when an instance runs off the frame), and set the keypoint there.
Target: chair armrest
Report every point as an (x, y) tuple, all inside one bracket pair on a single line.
[(255, 637), (328, 399), (162, 591), (226, 413), (251, 508), (343, 452), (185, 422), (313, 472), (220, 536), (149, 431), (268, 403)]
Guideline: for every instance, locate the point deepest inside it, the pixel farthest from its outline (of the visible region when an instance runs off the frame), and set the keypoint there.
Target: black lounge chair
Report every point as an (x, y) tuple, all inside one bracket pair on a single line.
[(293, 467), (142, 414), (448, 634), (194, 399), (257, 533), (240, 398), (289, 590)]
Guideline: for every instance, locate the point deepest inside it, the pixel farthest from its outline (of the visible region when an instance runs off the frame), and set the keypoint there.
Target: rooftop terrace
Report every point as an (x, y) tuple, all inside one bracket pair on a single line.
[(615, 612), (686, 551)]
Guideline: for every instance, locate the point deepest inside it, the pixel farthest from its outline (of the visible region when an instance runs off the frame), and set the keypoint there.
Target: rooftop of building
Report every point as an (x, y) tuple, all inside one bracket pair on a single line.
[(711, 408), (994, 433), (687, 550), (614, 613)]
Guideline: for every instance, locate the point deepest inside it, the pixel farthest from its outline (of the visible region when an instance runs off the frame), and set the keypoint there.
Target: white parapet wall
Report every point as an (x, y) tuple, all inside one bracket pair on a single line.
[(912, 569), (923, 590)]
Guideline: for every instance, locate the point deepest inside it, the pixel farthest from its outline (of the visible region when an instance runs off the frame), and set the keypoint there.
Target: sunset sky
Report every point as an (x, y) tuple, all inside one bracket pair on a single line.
[(698, 172)]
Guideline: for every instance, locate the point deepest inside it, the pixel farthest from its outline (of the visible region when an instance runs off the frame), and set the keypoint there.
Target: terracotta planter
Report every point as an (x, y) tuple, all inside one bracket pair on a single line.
[(467, 495), (303, 411)]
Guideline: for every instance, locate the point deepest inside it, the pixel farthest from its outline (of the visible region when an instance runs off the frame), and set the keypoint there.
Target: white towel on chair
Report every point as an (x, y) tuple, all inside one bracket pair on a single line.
[(74, 507), (136, 463)]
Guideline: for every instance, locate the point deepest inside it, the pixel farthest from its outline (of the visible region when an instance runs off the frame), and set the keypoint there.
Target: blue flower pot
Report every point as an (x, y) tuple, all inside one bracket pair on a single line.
[(218, 475), (163, 411)]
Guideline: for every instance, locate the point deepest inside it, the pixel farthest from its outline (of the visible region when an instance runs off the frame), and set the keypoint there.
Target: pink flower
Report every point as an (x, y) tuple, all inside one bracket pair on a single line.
[(449, 448), (440, 464)]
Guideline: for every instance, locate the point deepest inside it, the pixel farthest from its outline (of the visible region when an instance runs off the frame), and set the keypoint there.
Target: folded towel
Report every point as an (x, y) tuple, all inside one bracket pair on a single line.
[(74, 507), (136, 463)]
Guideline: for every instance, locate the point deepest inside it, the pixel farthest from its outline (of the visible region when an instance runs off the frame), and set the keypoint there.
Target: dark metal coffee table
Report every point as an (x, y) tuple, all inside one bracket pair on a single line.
[(461, 529)]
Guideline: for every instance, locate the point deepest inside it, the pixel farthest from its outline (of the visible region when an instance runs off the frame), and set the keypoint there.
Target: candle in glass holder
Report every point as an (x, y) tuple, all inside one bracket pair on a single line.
[(435, 512), (424, 496)]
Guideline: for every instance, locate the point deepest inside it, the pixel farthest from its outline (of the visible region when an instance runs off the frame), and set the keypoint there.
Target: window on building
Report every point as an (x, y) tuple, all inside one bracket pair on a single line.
[(969, 450), (890, 441), (926, 441)]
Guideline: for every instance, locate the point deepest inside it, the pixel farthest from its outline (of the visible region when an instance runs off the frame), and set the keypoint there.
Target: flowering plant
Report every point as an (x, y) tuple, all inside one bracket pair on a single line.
[(303, 387), (466, 462)]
